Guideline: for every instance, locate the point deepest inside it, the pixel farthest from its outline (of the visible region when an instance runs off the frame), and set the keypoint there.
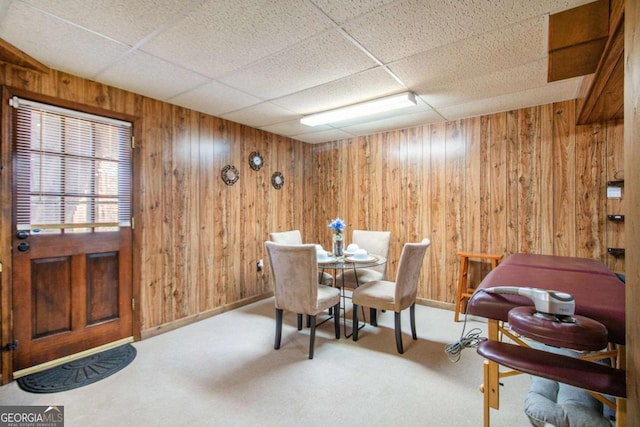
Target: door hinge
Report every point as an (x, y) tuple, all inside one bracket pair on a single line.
[(133, 223), (12, 346), (133, 142), (133, 304)]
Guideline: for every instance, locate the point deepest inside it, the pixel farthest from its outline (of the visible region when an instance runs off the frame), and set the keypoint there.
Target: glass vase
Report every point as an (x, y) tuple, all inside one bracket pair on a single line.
[(338, 244)]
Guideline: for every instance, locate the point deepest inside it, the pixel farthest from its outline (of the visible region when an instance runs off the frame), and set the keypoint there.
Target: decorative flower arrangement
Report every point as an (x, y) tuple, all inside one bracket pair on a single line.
[(337, 225)]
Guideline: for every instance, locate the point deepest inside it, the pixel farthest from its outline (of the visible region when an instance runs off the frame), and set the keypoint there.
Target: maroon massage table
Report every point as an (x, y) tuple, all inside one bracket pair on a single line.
[(600, 319)]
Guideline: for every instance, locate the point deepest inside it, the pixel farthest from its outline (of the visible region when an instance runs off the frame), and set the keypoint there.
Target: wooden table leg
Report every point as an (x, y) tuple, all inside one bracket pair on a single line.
[(491, 377), (621, 404)]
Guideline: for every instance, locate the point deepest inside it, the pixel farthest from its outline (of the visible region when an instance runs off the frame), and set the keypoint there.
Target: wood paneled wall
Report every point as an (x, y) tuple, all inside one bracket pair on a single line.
[(521, 181), (196, 240), (527, 180)]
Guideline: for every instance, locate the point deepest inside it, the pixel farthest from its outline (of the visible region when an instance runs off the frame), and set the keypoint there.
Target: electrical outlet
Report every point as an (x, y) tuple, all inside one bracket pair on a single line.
[(259, 265)]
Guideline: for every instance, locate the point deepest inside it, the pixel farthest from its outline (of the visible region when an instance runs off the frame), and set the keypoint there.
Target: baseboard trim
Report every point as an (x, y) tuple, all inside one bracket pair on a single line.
[(436, 304), (170, 326)]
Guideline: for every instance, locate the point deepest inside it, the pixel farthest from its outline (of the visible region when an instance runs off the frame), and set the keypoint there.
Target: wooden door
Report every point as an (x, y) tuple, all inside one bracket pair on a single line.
[(71, 292), (71, 284)]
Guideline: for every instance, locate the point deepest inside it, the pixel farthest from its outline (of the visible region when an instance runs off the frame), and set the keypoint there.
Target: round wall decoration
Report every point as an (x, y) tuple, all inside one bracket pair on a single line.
[(255, 161), (277, 180), (230, 174)]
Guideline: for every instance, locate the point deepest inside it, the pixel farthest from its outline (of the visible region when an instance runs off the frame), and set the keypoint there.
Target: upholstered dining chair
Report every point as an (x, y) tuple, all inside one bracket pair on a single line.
[(394, 296), (294, 270), (294, 237), (291, 237), (374, 242)]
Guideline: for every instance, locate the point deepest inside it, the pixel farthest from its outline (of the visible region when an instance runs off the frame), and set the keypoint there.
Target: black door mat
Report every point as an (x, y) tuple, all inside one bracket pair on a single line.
[(78, 373)]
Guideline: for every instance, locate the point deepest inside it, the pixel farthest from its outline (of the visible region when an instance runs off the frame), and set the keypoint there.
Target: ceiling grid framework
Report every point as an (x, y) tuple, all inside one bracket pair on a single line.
[(266, 64)]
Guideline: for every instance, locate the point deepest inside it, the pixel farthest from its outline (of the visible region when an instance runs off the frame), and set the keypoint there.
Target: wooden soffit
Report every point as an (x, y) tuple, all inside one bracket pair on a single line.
[(13, 55), (577, 38), (601, 95)]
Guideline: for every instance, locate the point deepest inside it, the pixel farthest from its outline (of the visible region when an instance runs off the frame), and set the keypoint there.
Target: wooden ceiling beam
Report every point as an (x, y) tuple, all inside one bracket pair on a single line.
[(13, 55)]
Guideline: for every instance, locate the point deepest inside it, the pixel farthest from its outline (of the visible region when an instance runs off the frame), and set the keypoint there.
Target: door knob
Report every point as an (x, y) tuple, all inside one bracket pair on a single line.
[(23, 247)]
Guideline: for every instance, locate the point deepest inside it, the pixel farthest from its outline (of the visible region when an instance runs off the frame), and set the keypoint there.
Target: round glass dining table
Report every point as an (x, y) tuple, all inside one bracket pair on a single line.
[(340, 265)]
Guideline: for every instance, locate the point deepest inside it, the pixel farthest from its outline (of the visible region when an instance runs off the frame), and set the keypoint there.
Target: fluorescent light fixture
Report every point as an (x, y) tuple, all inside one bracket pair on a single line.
[(388, 103)]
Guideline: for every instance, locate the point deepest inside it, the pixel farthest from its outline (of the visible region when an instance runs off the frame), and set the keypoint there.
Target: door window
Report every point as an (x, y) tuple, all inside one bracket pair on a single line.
[(74, 170)]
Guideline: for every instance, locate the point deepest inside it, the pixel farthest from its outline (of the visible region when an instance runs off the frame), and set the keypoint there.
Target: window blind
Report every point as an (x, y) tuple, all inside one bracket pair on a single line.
[(73, 169)]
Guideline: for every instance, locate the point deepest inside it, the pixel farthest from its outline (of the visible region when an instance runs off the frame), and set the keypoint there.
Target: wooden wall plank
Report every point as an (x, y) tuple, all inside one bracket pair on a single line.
[(513, 164), (437, 204), (454, 190), (529, 191), (614, 160), (590, 173), (206, 208), (546, 180), (498, 180), (564, 179)]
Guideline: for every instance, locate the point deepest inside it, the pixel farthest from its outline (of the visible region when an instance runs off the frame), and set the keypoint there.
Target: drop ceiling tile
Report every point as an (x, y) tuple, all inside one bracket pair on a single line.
[(414, 26), (504, 48), (527, 76), (150, 76), (57, 43), (360, 87), (344, 10), (293, 127), (313, 62), (396, 122), (553, 92), (222, 36), (214, 98), (324, 136), (123, 20), (260, 115)]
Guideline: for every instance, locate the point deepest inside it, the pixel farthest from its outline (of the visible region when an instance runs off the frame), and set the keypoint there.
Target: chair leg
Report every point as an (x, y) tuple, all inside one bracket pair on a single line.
[(373, 313), (308, 321), (312, 337), (412, 315), (336, 319), (355, 323), (299, 321), (398, 333), (278, 328)]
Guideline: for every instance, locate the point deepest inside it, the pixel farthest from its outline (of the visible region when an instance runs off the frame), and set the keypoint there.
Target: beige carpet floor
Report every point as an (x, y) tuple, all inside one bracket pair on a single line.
[(223, 371)]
